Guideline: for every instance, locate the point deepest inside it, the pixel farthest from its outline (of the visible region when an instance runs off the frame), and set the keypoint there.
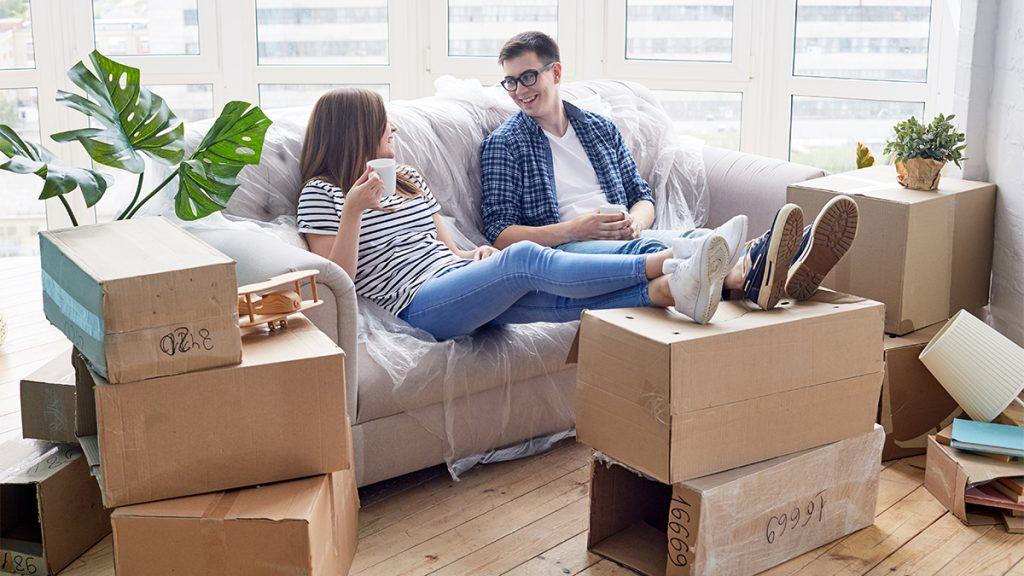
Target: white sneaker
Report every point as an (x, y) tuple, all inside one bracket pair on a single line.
[(734, 231), (696, 281)]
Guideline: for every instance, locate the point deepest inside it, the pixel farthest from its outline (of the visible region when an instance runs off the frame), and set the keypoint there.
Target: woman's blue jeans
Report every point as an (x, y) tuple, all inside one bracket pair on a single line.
[(526, 283)]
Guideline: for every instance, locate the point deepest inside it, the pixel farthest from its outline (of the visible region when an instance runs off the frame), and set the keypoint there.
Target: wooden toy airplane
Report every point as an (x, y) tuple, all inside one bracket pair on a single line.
[(259, 303)]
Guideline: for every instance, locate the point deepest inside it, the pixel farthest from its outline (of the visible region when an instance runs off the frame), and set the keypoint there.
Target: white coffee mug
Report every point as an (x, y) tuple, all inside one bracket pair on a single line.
[(612, 209), (385, 168)]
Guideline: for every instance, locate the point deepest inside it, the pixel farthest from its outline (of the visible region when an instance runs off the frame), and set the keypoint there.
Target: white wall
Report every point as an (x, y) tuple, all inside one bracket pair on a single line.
[(1004, 160)]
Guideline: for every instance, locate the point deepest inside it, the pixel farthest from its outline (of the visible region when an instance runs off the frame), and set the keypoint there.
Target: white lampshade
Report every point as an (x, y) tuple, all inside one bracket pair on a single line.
[(980, 368)]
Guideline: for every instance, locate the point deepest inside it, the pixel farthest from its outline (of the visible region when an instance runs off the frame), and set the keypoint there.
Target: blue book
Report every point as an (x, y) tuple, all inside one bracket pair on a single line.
[(988, 437)]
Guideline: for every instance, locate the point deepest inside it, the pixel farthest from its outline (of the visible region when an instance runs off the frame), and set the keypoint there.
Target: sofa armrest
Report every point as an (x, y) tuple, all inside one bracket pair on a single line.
[(742, 183), (260, 255)]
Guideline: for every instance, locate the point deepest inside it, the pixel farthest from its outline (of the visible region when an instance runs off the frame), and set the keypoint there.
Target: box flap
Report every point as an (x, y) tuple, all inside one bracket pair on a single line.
[(32, 461), (292, 500), (916, 338), (134, 247), (48, 401)]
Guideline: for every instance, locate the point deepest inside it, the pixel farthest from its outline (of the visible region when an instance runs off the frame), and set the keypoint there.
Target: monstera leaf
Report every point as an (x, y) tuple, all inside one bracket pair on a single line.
[(29, 158), (207, 179), (134, 120)]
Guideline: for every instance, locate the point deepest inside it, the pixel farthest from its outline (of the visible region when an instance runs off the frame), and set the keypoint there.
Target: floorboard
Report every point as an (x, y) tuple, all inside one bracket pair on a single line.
[(529, 517)]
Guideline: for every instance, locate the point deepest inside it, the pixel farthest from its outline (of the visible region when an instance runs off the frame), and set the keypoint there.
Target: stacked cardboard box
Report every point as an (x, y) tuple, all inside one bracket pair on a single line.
[(717, 433), (195, 433), (50, 509), (741, 521), (925, 255)]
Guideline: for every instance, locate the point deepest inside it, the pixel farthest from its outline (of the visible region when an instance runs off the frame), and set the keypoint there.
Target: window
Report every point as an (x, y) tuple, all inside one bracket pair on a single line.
[(23, 212), (696, 30), (189, 102), (289, 95), (711, 116), (825, 131), (346, 32), (16, 45), (146, 27), (480, 28), (879, 40)]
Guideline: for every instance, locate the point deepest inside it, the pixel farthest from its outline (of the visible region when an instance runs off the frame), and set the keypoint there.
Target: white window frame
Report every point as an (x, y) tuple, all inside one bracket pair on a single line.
[(591, 35)]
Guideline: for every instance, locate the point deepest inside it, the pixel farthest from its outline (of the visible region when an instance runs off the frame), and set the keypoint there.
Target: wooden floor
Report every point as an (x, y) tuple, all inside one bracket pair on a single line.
[(529, 517)]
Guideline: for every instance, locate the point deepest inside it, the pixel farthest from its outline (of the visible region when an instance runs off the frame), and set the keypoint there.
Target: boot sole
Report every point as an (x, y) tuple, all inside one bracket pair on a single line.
[(787, 232), (713, 269), (832, 235)]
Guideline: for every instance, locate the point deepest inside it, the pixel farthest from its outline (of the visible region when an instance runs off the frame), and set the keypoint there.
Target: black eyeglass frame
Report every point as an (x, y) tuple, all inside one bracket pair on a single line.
[(521, 79)]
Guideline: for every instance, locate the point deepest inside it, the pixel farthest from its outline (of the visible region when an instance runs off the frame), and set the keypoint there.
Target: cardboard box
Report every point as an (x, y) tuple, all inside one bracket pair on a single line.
[(141, 298), (50, 509), (307, 526), (677, 400), (48, 401), (739, 522), (279, 415), (925, 255), (913, 404), (949, 472)]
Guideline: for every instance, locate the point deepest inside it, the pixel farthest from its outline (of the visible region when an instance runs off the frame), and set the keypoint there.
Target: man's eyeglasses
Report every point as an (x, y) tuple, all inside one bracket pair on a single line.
[(528, 78)]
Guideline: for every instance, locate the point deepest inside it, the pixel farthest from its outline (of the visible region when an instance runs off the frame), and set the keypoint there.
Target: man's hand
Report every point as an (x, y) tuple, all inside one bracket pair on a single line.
[(594, 226)]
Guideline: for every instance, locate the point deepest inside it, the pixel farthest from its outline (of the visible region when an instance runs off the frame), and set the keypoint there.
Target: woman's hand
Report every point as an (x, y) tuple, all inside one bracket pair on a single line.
[(366, 192), (480, 253)]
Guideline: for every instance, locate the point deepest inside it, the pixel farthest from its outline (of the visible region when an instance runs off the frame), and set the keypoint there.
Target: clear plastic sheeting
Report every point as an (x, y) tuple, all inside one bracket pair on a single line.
[(469, 374), (504, 392)]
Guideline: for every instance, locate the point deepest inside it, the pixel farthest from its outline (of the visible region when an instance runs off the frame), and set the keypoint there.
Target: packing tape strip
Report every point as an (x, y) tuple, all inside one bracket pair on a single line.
[(72, 309)]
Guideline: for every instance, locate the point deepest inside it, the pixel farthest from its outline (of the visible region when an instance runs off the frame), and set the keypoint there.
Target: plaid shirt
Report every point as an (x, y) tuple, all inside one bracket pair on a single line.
[(518, 174)]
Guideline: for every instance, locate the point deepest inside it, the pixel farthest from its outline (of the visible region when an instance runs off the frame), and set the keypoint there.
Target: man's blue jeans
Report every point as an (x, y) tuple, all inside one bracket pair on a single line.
[(649, 241), (526, 283)]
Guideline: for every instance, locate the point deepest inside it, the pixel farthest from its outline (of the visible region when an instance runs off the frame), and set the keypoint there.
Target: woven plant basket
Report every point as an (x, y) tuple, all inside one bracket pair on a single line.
[(919, 173)]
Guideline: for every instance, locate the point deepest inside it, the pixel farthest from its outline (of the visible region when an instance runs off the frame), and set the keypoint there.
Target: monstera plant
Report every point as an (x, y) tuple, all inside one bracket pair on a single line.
[(130, 123)]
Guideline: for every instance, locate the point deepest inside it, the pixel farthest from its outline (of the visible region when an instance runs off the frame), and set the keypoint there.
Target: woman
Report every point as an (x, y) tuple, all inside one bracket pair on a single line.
[(401, 256)]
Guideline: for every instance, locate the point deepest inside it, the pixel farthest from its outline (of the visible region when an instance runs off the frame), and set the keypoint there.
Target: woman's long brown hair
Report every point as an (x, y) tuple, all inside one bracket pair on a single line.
[(343, 134)]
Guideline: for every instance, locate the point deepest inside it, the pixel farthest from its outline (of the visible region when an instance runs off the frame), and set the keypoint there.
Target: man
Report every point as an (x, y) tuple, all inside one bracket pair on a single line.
[(551, 171)]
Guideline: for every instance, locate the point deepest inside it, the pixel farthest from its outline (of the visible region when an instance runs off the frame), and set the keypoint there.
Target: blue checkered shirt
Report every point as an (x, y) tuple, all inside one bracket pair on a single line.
[(518, 175)]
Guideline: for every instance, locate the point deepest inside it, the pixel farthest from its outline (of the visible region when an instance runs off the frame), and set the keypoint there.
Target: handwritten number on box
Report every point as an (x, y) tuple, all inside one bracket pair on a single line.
[(183, 340), (19, 563), (778, 524), (678, 524)]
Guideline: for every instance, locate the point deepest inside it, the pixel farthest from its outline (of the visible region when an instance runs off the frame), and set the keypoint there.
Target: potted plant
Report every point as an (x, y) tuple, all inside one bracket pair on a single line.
[(129, 124), (921, 151)]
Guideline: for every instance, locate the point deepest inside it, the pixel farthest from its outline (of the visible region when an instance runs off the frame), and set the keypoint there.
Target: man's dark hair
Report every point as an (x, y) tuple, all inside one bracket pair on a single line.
[(539, 43)]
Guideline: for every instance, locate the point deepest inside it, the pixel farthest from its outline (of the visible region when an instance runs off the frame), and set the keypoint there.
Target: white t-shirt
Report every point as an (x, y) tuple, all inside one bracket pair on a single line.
[(576, 185)]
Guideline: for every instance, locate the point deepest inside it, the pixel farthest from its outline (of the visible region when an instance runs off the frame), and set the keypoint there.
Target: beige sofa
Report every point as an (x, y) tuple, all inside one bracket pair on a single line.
[(397, 432)]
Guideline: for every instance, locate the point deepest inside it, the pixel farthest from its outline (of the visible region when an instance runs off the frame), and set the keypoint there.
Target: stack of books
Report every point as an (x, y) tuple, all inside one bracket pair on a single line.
[(1000, 442)]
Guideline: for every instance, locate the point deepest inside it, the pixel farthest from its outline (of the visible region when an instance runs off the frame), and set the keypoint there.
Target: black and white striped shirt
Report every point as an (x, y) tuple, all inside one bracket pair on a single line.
[(398, 251)]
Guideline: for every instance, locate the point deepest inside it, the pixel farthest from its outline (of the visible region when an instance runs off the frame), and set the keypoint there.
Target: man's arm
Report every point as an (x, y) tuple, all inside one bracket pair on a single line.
[(500, 186), (551, 235)]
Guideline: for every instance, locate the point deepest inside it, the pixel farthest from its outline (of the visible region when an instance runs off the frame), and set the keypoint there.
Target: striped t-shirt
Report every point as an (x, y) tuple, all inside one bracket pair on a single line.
[(398, 251)]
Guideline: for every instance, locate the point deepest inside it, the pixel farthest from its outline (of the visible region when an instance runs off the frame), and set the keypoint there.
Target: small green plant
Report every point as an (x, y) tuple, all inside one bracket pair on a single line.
[(129, 124), (939, 140)]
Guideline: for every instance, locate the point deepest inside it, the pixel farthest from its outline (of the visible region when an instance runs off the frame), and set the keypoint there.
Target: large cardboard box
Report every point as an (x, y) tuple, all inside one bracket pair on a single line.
[(949, 472), (739, 522), (925, 255), (141, 298), (677, 400), (307, 526), (50, 509), (913, 403), (48, 401), (279, 415)]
